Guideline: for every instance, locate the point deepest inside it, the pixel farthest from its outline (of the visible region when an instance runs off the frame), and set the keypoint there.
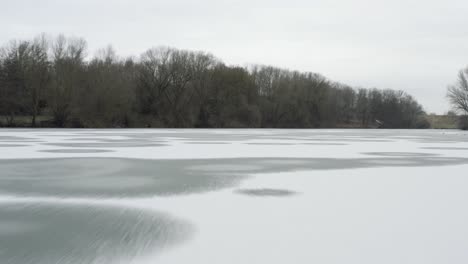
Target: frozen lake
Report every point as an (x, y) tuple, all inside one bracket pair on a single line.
[(233, 196)]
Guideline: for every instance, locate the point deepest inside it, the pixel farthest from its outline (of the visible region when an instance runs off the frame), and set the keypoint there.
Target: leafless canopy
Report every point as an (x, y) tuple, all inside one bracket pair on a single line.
[(458, 93)]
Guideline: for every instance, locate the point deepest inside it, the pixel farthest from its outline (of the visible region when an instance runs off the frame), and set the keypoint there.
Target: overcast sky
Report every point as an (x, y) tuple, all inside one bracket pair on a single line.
[(413, 45)]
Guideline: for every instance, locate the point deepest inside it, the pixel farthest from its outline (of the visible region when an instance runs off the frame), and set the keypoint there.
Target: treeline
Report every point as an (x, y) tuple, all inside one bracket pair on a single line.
[(55, 84)]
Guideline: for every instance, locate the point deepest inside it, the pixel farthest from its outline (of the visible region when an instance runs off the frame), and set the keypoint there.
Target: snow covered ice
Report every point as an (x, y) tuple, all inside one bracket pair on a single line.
[(233, 196)]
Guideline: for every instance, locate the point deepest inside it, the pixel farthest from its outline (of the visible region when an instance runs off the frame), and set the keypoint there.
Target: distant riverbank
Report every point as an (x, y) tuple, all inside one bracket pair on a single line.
[(434, 122)]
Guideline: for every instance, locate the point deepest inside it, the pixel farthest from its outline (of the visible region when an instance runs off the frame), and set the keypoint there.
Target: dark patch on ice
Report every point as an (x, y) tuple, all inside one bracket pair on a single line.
[(400, 154), (103, 139), (266, 192), (207, 143), (111, 177), (298, 144), (21, 141), (117, 177), (106, 145), (15, 138), (13, 145), (77, 151), (352, 140), (272, 144), (43, 234), (445, 148), (114, 140), (326, 144)]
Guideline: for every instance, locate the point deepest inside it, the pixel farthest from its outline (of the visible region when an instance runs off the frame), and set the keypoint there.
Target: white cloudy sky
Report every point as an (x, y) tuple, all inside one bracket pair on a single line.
[(413, 45)]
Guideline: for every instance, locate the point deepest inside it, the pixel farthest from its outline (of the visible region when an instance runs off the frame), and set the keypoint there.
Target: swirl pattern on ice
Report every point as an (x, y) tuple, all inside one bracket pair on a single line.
[(52, 233)]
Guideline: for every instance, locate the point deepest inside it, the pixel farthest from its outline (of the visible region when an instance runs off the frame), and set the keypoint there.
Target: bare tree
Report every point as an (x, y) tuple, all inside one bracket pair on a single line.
[(154, 80), (106, 97), (14, 63), (362, 107), (458, 93), (169, 80), (67, 73), (37, 76)]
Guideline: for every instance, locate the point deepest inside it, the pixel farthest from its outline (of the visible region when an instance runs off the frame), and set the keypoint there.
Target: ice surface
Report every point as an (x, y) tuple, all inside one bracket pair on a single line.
[(57, 233), (233, 196)]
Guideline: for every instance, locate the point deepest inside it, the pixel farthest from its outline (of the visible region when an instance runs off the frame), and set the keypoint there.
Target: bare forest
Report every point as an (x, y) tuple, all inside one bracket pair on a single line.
[(48, 82)]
